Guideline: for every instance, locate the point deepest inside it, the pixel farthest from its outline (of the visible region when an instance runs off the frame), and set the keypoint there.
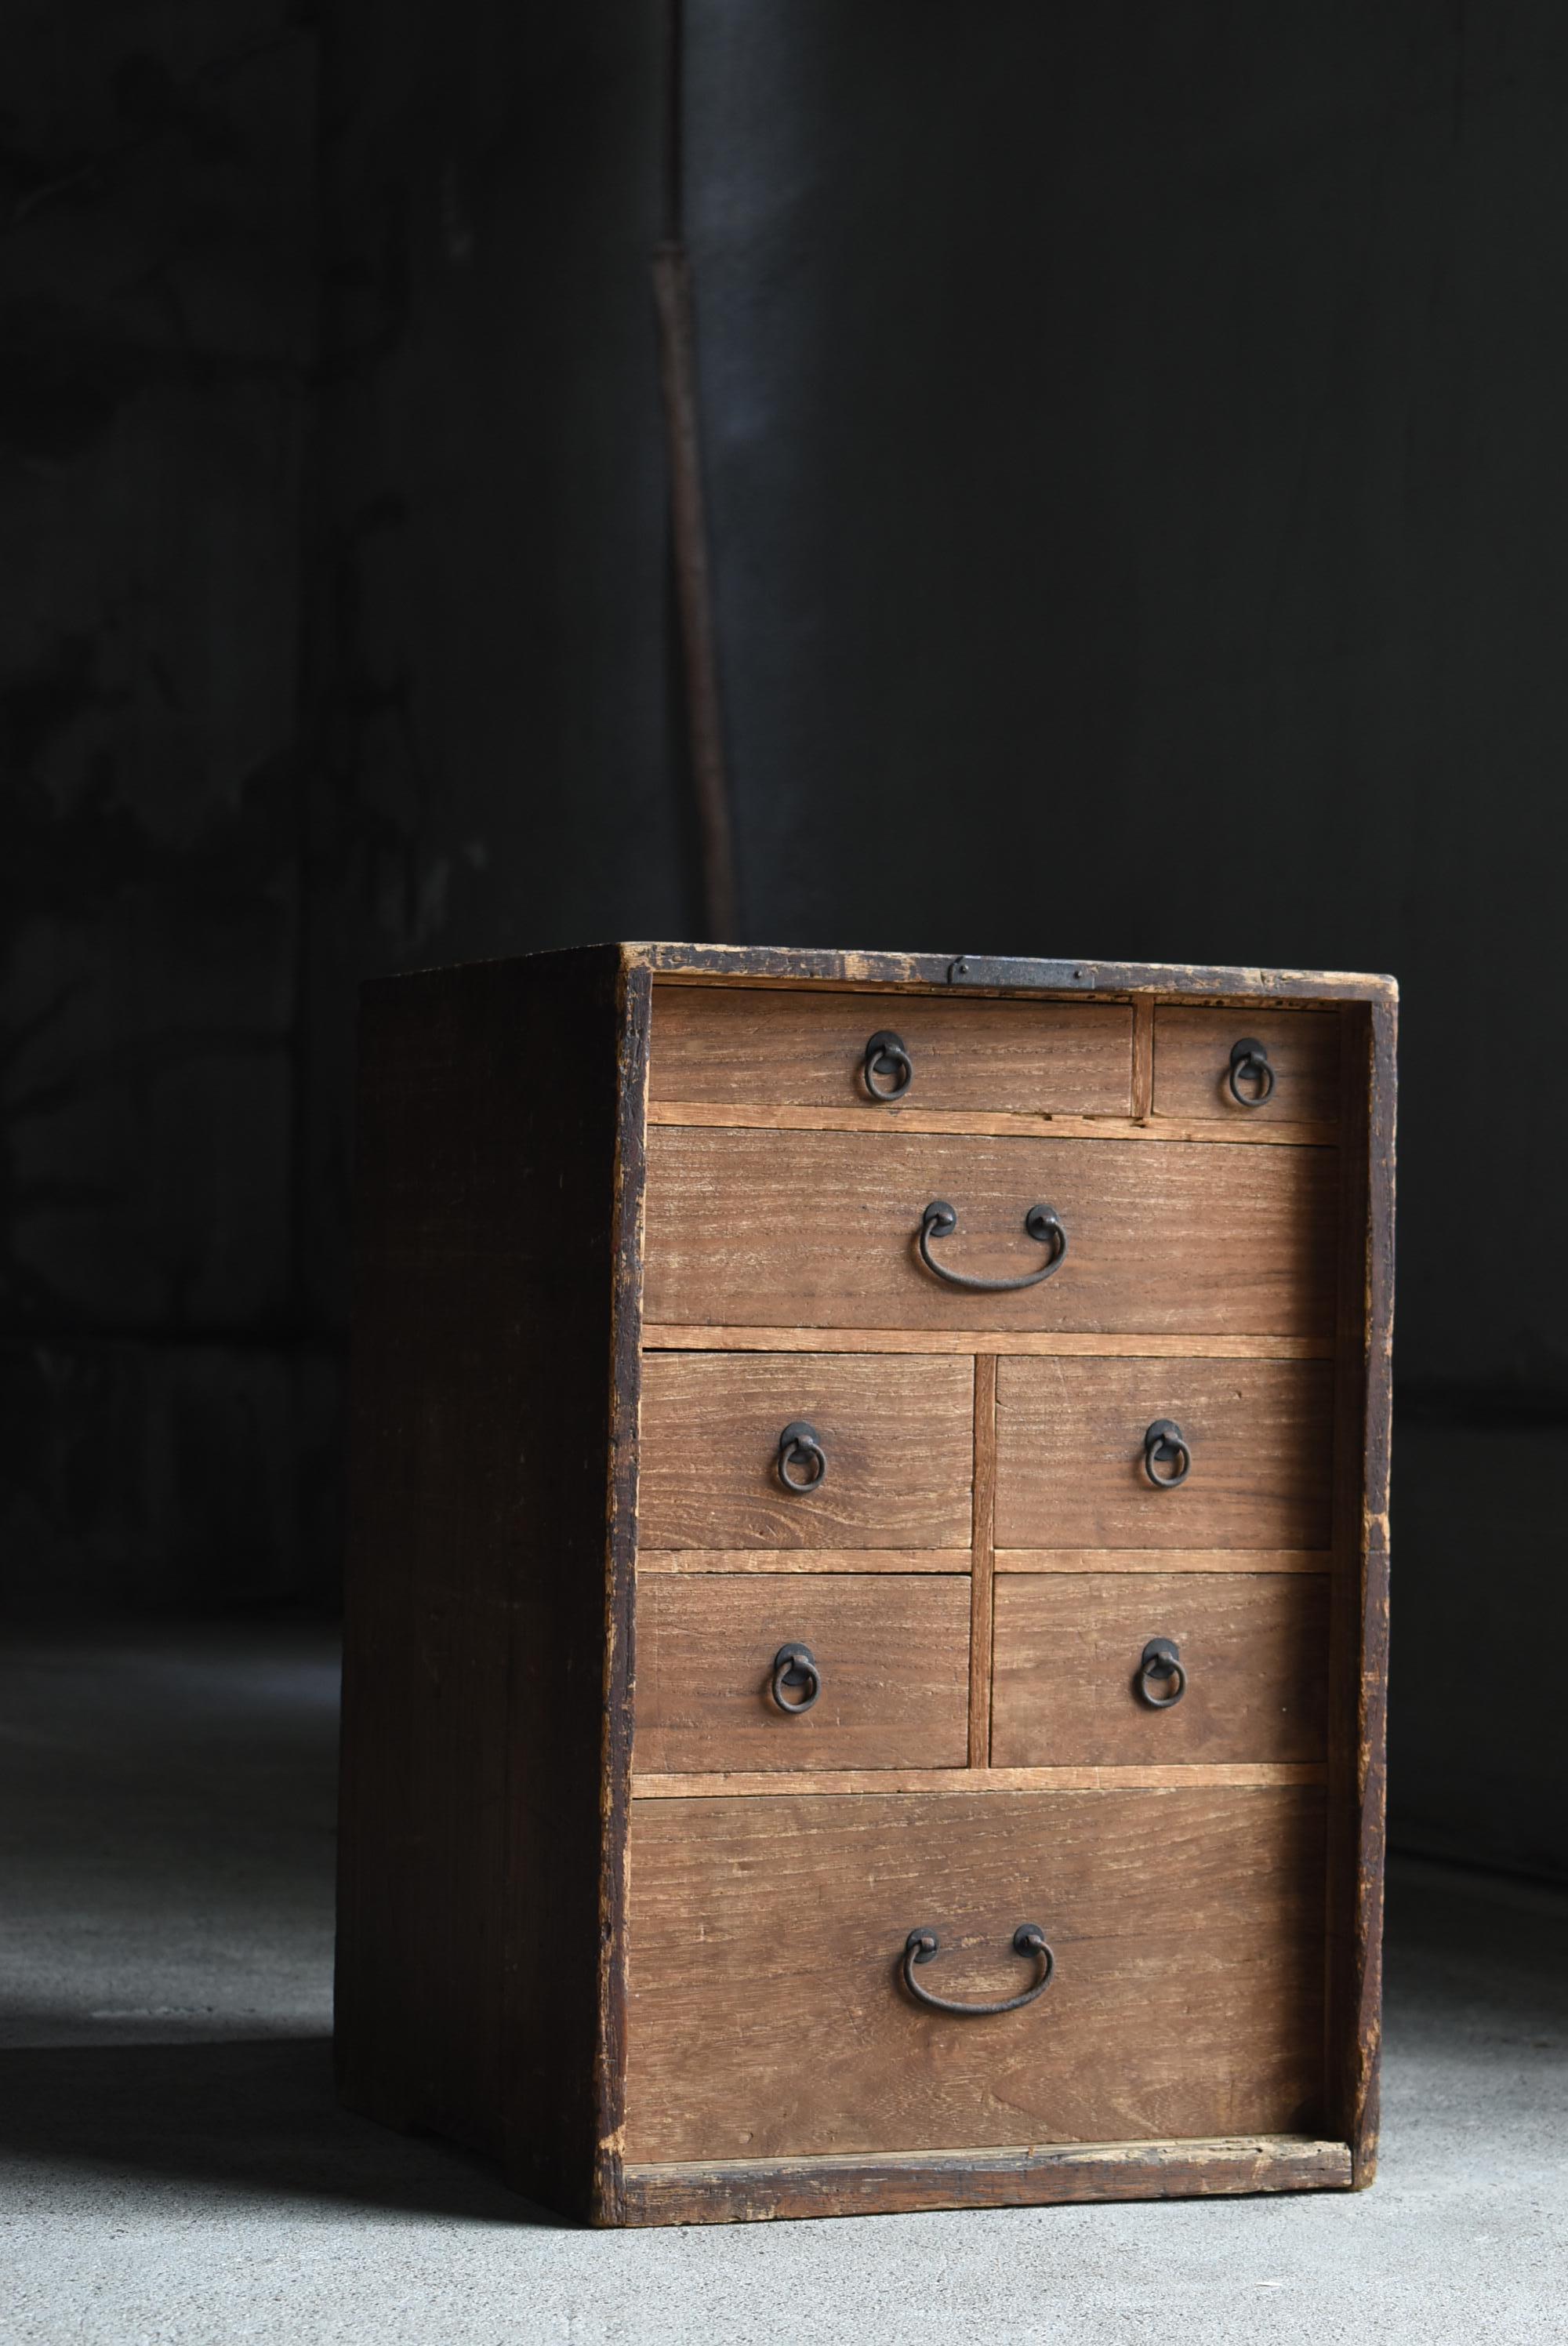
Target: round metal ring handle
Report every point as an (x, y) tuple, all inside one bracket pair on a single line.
[(887, 1070), (1164, 1443), (1028, 1940), (1042, 1223), (803, 1461), (1161, 1665), (1249, 1063), (796, 1666)]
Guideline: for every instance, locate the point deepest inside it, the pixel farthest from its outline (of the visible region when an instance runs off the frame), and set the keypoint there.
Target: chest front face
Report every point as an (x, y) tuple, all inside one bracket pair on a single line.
[(998, 1564)]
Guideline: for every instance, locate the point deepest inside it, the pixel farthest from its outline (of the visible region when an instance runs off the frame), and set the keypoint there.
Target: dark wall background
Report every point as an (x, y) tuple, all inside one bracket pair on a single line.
[(1139, 495)]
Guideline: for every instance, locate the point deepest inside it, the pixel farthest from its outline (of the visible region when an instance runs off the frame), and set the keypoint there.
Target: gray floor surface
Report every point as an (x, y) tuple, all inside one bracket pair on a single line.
[(175, 2170)]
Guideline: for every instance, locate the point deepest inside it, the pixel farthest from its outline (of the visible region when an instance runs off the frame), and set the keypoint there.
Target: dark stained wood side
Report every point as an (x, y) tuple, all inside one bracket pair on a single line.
[(470, 1996), (756, 2190)]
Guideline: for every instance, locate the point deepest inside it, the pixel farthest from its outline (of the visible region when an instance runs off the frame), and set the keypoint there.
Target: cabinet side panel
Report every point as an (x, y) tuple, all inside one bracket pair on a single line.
[(473, 1835), (1358, 1688)]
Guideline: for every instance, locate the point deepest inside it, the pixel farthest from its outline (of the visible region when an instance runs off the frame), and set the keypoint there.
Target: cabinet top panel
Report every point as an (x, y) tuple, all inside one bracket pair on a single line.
[(958, 973)]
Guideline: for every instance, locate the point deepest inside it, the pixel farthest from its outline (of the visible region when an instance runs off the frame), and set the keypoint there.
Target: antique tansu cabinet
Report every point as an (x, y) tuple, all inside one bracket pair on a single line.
[(868, 1598)]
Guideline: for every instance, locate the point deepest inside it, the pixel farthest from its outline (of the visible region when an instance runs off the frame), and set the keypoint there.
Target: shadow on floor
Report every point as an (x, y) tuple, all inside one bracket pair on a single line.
[(258, 2119)]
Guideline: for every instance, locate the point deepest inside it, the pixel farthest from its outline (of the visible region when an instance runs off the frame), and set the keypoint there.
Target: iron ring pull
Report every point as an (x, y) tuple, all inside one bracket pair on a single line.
[(800, 1446), (1165, 1441), (1249, 1059), (1161, 1661), (1042, 1223), (1028, 1940), (796, 1666), (886, 1057)]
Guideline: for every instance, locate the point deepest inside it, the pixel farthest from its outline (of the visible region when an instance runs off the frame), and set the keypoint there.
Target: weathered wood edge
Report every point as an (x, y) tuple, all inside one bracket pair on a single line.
[(1365, 2048), (744, 963), (898, 2183), (1006, 973), (633, 1004)]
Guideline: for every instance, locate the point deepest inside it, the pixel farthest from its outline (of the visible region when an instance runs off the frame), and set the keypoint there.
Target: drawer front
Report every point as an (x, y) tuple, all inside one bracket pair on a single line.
[(883, 1667), (886, 1459), (820, 1229), (1076, 1467), (1070, 1686), (767, 2016), (747, 1047), (1294, 1079)]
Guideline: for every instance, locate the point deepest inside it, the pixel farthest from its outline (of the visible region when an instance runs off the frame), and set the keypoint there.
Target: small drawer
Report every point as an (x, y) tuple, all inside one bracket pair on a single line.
[(878, 1677), (778, 1450), (1157, 1454), (746, 1046), (770, 2016), (836, 1229), (1127, 1669), (1247, 1065)]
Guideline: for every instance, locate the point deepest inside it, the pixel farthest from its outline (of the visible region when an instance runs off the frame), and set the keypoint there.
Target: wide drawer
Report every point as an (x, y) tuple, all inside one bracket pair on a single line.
[(746, 1046), (821, 1229), (1202, 1070), (768, 2014), (1080, 1464), (882, 1458), (1076, 1682), (882, 1662)]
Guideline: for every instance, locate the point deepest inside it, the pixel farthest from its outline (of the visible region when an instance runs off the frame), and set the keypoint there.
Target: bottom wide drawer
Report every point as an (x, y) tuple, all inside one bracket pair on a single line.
[(777, 2008)]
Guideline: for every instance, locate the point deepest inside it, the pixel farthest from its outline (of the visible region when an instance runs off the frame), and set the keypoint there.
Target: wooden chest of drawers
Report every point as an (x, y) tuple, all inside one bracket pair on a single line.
[(868, 1593)]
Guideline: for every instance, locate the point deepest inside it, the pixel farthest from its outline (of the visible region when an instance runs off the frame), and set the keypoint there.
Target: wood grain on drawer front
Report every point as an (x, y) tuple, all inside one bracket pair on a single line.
[(897, 1432), (1070, 1438), (746, 1046), (892, 1651), (1192, 1064), (766, 2018), (819, 1229), (1068, 1647)]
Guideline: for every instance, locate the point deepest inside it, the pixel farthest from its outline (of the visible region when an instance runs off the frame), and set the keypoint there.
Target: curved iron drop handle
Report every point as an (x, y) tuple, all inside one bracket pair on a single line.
[(886, 1055), (1249, 1059), (1161, 1660), (1166, 1441), (799, 1446), (1028, 1939), (1042, 1223), (796, 1666)]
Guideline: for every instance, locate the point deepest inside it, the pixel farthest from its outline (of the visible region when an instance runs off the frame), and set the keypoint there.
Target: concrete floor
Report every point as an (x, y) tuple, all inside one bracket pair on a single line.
[(176, 2170)]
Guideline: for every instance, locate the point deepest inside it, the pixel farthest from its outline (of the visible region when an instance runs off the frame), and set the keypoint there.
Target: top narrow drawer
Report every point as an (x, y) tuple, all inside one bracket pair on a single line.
[(750, 1047), (1247, 1065)]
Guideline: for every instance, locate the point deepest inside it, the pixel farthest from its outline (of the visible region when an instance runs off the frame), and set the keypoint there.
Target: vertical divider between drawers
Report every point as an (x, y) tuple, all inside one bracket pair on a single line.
[(1143, 1057), (983, 1560)]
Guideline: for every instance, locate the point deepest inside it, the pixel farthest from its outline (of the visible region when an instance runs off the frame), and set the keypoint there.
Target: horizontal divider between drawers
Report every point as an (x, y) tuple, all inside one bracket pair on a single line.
[(664, 1336), (1196, 1775), (937, 1561), (1004, 1124), (932, 1560), (1165, 1559)]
